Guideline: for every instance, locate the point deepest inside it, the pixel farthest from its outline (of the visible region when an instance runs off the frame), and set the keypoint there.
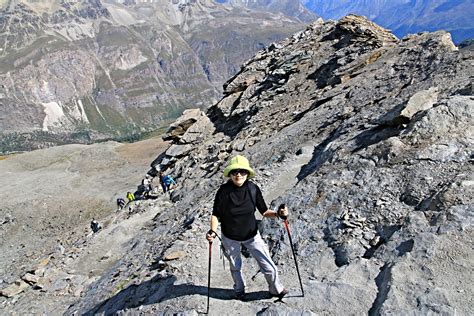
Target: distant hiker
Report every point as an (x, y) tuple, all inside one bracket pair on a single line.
[(120, 203), (167, 182), (95, 226), (146, 182), (234, 208), (130, 197)]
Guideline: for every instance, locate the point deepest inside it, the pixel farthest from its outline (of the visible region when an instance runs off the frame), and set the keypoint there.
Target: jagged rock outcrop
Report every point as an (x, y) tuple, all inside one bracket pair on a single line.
[(82, 71), (367, 138), (405, 17)]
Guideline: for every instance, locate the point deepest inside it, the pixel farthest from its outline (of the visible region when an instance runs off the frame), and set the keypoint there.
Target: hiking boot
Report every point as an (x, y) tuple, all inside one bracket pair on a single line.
[(239, 295), (281, 294)]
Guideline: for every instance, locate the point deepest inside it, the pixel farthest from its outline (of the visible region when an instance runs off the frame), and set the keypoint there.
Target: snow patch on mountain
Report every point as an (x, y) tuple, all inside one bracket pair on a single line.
[(54, 113)]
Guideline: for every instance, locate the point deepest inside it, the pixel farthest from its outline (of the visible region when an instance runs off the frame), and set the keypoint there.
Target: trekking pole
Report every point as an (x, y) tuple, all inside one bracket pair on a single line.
[(209, 276), (285, 221)]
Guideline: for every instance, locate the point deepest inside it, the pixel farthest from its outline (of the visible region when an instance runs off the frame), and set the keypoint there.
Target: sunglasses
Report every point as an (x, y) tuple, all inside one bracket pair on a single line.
[(242, 172)]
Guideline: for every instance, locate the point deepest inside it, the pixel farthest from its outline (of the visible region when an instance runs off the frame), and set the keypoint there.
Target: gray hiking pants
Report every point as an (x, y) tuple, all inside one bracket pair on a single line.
[(258, 249)]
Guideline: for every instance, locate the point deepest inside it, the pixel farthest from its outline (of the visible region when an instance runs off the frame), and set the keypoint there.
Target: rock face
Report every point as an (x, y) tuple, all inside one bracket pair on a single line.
[(405, 17), (366, 138), (83, 71)]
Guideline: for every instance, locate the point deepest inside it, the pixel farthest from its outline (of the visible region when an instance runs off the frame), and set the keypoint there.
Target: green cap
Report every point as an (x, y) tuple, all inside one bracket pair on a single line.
[(238, 162)]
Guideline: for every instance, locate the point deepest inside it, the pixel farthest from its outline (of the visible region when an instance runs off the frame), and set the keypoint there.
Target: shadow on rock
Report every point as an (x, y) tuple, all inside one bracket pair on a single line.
[(160, 289)]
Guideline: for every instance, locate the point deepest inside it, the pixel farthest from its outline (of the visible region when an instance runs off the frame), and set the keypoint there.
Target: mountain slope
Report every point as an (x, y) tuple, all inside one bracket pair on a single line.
[(85, 71), (404, 17), (293, 8), (366, 138)]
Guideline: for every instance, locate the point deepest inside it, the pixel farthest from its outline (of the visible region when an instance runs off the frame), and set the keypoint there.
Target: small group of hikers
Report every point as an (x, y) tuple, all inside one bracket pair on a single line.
[(234, 208), (146, 189)]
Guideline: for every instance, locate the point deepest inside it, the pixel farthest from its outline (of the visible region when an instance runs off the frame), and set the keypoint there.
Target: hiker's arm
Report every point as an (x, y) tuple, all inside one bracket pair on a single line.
[(214, 222), (278, 213), (270, 214)]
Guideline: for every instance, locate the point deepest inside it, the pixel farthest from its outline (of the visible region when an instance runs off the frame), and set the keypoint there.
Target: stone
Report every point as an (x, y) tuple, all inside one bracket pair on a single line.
[(226, 104), (30, 278), (14, 289), (178, 150), (44, 262), (201, 129), (243, 80), (174, 255), (420, 101), (239, 145), (369, 235), (181, 125)]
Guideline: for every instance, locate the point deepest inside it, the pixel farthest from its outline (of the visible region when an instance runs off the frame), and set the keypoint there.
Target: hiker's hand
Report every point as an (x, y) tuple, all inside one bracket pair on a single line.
[(282, 212), (210, 235)]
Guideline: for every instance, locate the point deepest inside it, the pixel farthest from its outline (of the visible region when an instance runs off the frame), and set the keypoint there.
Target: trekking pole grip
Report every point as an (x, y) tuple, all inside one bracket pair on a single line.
[(281, 207)]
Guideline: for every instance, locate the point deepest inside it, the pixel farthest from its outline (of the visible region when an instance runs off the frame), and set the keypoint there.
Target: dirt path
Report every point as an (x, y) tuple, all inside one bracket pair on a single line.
[(287, 178)]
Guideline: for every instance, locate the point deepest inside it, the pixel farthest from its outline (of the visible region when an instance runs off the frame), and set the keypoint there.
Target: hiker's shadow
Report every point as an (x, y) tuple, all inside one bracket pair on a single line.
[(161, 289)]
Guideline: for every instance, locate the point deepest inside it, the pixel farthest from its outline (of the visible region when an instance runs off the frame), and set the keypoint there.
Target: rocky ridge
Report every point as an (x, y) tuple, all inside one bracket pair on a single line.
[(367, 138), (405, 17)]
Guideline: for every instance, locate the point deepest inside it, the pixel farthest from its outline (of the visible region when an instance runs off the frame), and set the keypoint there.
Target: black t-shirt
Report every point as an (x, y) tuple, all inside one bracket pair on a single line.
[(234, 208)]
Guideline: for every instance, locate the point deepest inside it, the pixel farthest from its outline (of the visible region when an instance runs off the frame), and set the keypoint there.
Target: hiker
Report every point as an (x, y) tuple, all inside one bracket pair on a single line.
[(234, 207), (146, 182), (167, 182), (130, 197), (120, 203), (95, 226)]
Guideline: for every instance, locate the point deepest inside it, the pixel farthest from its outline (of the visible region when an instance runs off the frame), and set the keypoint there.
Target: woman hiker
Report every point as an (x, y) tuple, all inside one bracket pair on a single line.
[(234, 208)]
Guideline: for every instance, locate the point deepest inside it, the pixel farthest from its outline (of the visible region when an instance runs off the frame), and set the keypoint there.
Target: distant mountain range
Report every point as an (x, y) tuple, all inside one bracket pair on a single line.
[(289, 7), (405, 16)]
